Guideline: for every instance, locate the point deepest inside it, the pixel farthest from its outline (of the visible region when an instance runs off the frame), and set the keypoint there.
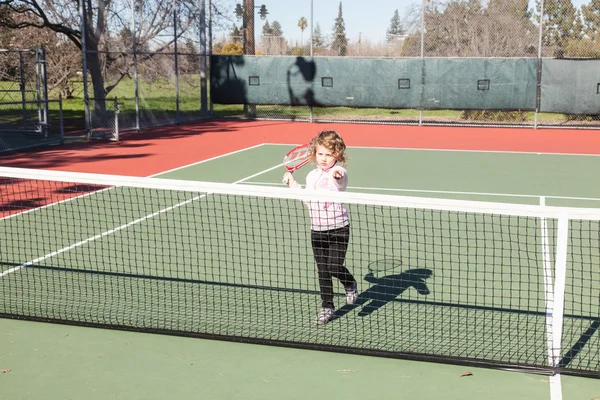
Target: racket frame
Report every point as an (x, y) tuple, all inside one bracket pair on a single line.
[(288, 158)]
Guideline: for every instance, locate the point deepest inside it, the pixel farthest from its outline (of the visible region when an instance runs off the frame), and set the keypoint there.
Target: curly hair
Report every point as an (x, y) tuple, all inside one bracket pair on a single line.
[(333, 142)]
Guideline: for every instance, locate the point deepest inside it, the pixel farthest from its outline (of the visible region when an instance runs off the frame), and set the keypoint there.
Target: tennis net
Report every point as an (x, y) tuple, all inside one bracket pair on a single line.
[(498, 285)]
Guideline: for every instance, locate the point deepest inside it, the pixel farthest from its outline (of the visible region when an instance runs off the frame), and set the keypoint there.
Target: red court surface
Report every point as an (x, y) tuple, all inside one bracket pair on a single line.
[(152, 151)]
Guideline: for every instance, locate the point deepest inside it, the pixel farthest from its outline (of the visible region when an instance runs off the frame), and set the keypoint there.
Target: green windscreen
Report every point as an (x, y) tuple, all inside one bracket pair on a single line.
[(480, 83), (570, 86), (430, 83)]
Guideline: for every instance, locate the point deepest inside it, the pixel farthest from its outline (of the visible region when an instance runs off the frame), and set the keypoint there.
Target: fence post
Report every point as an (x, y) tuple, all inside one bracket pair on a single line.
[(44, 83), (86, 104), (116, 108)]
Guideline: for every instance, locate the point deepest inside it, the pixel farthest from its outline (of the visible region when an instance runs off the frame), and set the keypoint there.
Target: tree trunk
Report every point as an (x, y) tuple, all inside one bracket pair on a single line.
[(95, 70)]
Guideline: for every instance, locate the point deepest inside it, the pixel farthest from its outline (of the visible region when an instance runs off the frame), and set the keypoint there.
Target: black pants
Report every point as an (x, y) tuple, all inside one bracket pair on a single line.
[(329, 248)]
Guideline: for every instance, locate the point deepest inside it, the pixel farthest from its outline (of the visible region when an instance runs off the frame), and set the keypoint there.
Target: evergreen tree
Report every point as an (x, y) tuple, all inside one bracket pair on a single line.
[(559, 23), (276, 29), (266, 29), (236, 35), (339, 43), (279, 45), (318, 40), (591, 19), (395, 30)]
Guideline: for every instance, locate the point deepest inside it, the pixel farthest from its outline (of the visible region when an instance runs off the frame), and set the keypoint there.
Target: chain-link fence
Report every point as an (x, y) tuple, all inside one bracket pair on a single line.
[(23, 91), (538, 30), (103, 120), (158, 72), (154, 56), (27, 117)]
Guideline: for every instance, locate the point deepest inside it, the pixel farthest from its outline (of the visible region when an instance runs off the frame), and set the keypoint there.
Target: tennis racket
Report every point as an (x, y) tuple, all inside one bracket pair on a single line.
[(297, 158)]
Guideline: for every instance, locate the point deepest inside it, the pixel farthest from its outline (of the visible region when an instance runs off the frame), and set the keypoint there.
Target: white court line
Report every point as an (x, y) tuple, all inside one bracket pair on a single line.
[(446, 192), (555, 387), (208, 159), (150, 176), (451, 150), (124, 226)]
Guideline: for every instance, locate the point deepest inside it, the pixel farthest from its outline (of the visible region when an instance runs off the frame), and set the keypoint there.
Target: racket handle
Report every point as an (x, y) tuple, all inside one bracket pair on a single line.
[(287, 177)]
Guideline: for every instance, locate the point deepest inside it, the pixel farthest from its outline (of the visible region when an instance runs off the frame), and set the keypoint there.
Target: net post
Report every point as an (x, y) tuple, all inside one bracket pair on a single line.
[(562, 237), (548, 285)]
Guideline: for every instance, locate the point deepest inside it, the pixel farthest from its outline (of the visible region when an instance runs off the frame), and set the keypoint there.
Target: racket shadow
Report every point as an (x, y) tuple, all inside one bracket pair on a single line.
[(387, 288)]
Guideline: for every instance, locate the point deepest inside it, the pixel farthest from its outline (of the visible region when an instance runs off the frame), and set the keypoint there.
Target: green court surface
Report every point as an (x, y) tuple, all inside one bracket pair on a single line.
[(566, 180), (266, 300), (48, 361)]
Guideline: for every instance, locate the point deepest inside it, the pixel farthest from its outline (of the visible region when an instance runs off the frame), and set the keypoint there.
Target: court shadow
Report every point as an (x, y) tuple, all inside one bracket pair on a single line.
[(22, 205), (305, 71), (580, 345), (387, 288)]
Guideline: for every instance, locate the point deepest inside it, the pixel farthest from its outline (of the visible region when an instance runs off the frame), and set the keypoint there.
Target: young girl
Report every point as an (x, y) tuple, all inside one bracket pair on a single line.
[(330, 226)]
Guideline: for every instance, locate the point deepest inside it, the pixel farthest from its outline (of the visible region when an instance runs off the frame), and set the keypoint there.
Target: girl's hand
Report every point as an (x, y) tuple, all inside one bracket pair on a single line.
[(338, 173), (288, 179)]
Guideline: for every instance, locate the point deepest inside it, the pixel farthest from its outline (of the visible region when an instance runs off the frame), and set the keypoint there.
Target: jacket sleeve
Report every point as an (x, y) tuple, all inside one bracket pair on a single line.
[(340, 184)]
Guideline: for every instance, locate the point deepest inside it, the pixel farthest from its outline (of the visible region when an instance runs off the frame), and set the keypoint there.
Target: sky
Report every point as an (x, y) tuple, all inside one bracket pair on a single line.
[(369, 19)]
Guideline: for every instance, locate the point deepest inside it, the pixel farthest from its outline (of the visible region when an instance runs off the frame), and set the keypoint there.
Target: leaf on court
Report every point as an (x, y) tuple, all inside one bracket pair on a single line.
[(468, 373), (4, 371), (347, 371)]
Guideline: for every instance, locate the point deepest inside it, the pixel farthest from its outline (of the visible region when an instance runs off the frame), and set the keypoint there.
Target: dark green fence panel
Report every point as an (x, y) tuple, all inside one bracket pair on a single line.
[(229, 79), (480, 84), (362, 82), (431, 83), (322, 81), (570, 86)]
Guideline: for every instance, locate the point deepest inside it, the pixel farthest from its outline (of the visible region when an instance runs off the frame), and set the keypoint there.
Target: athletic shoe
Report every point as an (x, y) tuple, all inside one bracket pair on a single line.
[(325, 315), (352, 293)]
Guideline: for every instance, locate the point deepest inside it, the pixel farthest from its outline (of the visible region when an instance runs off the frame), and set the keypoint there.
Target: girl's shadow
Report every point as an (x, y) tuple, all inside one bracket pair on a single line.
[(387, 288)]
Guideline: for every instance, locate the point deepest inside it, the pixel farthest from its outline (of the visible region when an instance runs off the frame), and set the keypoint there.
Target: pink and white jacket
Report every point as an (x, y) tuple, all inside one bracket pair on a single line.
[(326, 215)]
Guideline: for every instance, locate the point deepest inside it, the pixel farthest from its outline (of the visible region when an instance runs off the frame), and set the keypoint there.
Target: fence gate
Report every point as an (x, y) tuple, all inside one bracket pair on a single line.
[(25, 115)]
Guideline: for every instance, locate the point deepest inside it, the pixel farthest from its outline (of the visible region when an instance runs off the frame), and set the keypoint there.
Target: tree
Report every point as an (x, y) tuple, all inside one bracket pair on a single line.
[(586, 43), (236, 35), (266, 33), (276, 29), (591, 20), (558, 25), (466, 28), (302, 24), (318, 40), (395, 30), (232, 49), (266, 29), (272, 38), (5, 33), (506, 30), (62, 62), (100, 17), (339, 43)]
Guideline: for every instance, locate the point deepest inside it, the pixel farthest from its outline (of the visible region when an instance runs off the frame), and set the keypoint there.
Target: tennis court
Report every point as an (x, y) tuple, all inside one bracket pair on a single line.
[(421, 292)]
